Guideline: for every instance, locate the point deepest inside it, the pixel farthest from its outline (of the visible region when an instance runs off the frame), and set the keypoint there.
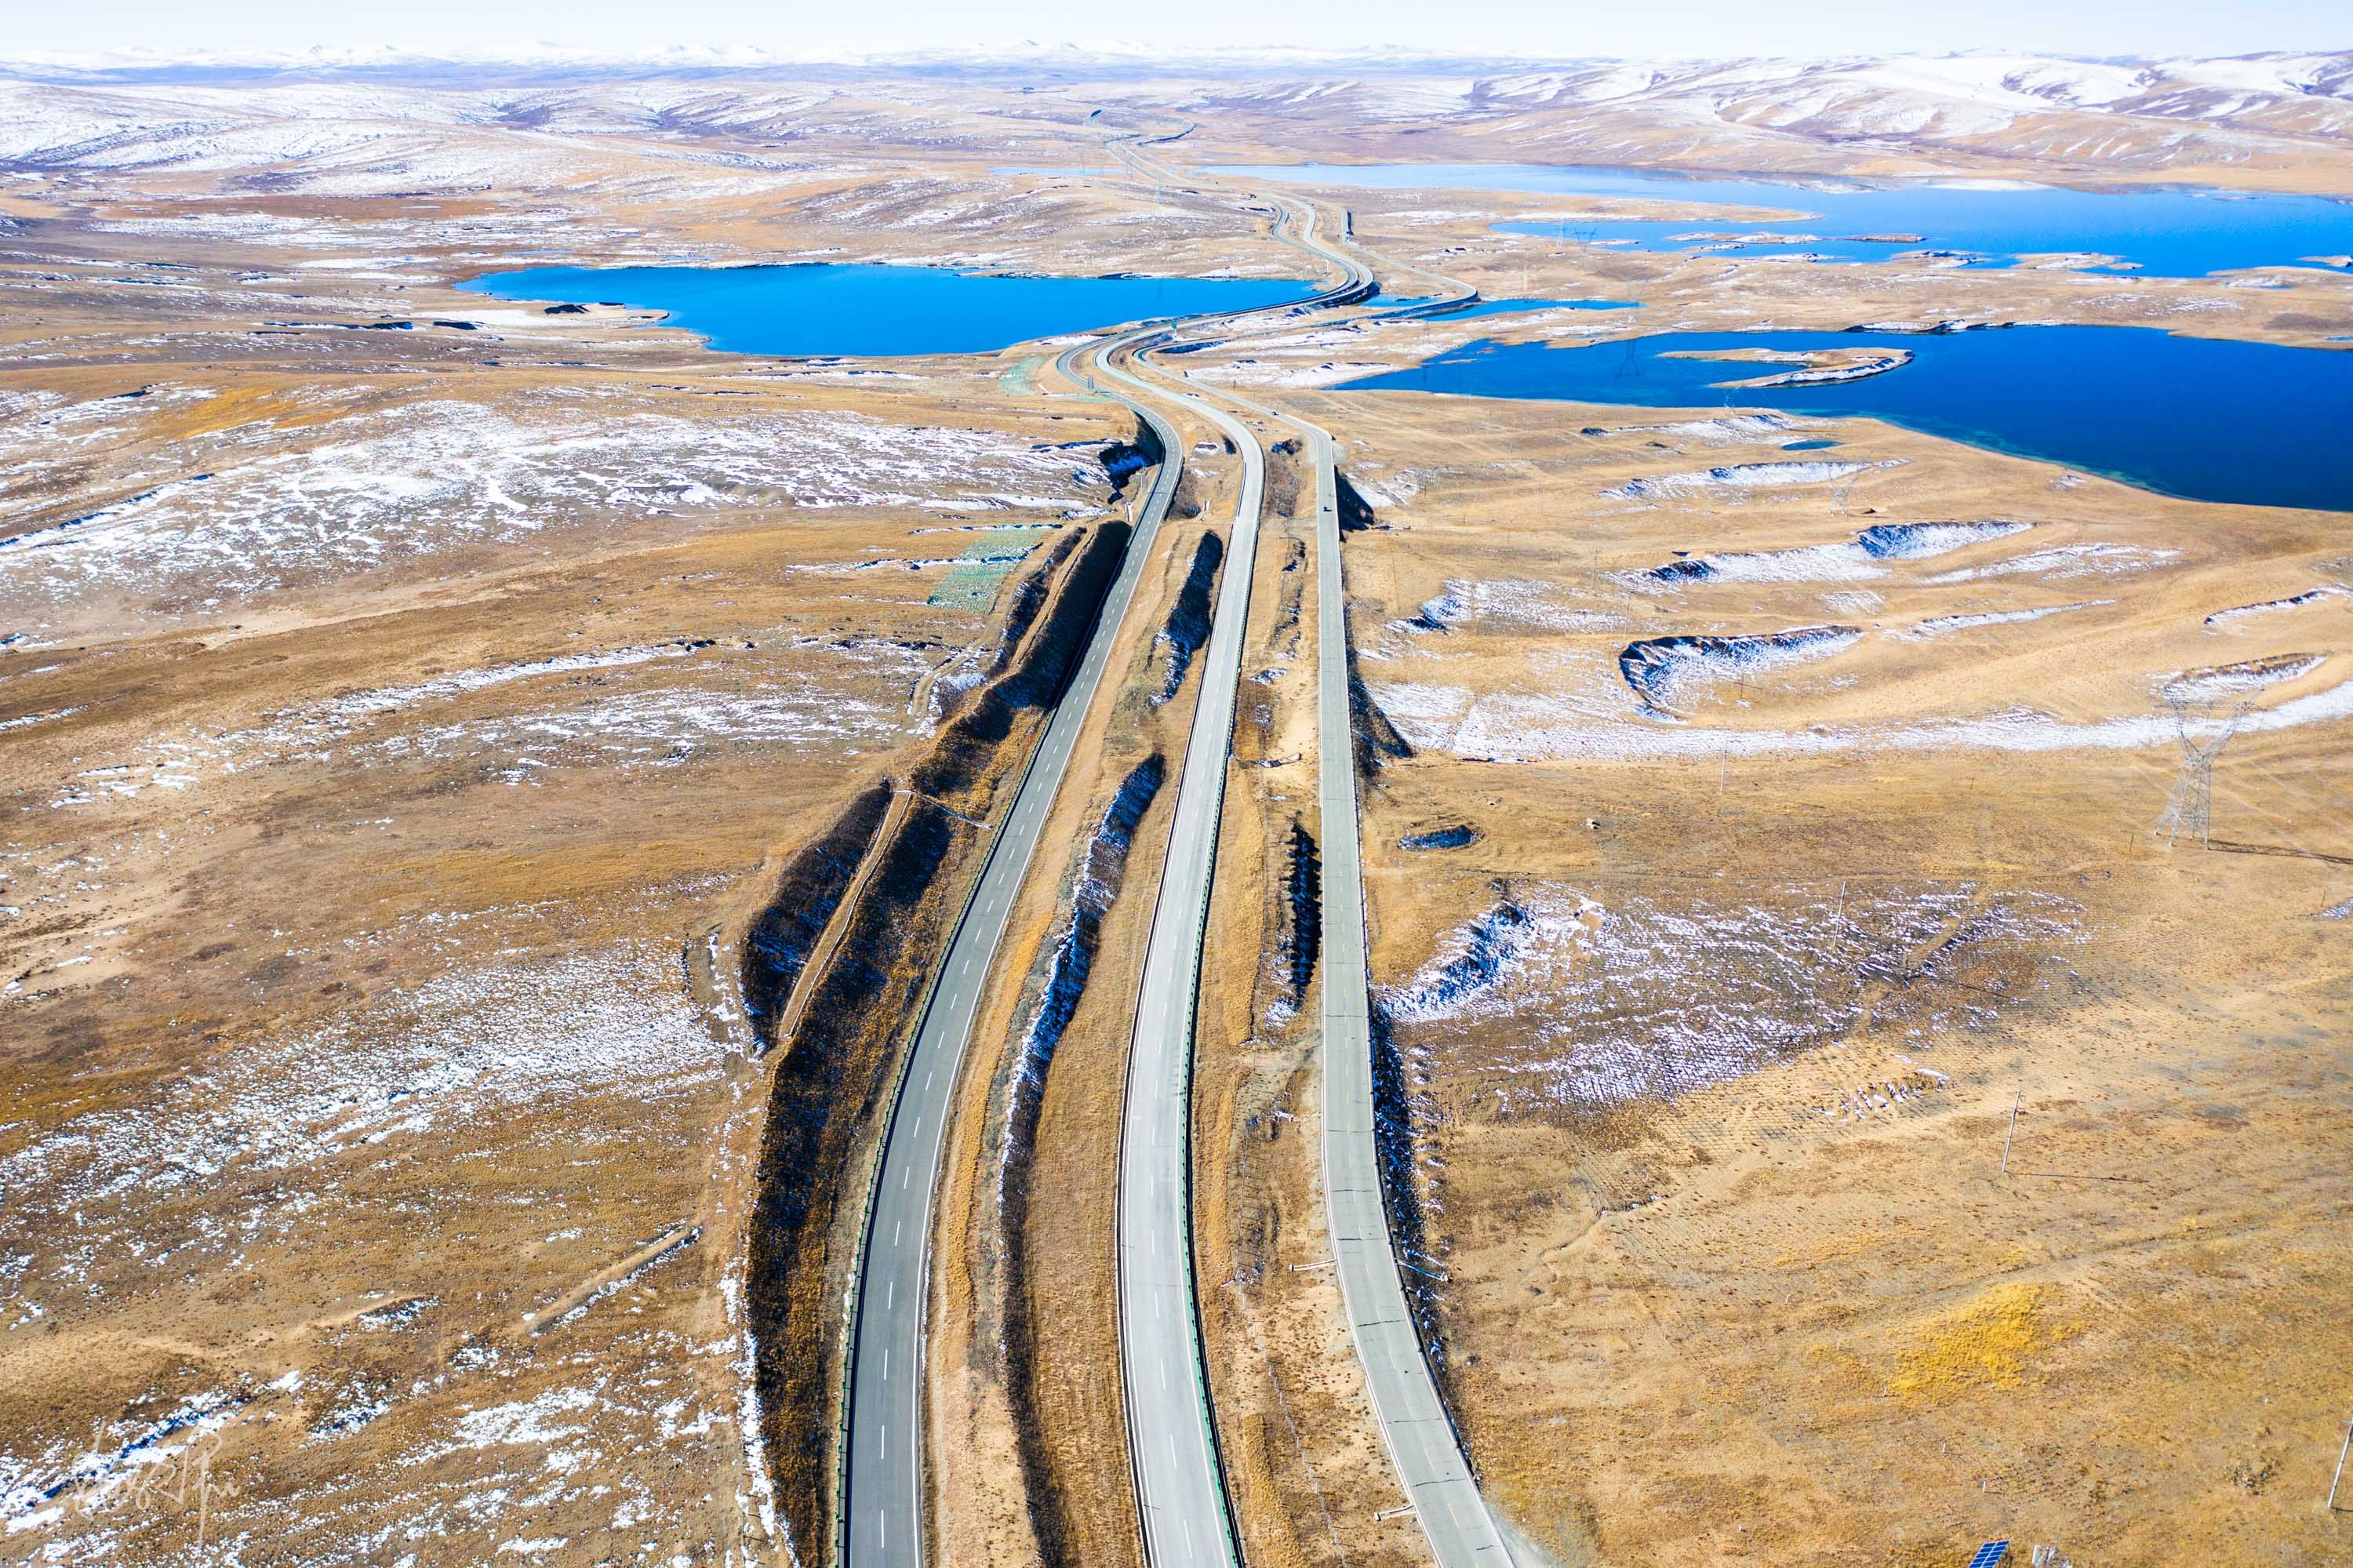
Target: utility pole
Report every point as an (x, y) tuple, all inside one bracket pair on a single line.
[(2340, 1468)]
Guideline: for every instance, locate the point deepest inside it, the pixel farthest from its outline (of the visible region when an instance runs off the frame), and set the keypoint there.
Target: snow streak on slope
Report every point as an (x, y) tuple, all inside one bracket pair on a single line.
[(214, 517), (1667, 673), (1855, 560), (1736, 477), (1576, 723), (388, 121), (1556, 996)]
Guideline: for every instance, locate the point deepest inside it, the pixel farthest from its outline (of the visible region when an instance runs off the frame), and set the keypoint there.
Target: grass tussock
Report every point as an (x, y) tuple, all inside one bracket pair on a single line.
[(1989, 1342)]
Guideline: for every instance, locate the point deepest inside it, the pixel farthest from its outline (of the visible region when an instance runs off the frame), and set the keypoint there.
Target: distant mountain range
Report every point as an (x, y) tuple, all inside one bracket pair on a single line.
[(338, 107), (2189, 86)]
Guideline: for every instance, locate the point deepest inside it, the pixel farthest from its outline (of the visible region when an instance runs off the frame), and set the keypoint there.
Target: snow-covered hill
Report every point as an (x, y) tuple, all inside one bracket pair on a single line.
[(391, 121), (1965, 95)]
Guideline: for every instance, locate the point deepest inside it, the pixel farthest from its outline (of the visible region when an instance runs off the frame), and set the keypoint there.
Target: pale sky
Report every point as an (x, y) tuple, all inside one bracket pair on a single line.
[(1658, 28)]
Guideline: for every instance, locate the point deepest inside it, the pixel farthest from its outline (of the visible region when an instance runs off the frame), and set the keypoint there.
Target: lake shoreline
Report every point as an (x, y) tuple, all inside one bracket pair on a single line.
[(2116, 402), (822, 310)]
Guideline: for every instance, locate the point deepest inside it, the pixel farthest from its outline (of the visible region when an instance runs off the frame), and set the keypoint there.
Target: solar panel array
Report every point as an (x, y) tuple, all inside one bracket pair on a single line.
[(1990, 1553)]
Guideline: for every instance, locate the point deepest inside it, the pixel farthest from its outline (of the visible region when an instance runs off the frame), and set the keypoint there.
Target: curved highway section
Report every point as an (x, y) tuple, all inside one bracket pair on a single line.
[(1423, 1446), (1181, 1501), (881, 1498), (1421, 1436), (882, 1501)]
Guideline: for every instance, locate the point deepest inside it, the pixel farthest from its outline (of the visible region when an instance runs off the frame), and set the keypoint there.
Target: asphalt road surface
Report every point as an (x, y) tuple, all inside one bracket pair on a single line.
[(1171, 1433), (1422, 1439), (883, 1484), (1423, 1446), (1172, 1441), (882, 1493)]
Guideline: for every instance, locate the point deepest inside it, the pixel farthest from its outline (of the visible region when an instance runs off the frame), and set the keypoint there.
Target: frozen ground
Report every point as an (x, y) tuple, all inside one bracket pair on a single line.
[(402, 125), (645, 706), (204, 521), (110, 1195), (1559, 997), (1579, 720), (1472, 604), (285, 1171)]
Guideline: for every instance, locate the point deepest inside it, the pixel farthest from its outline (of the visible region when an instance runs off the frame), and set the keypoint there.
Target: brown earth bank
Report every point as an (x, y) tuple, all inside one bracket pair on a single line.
[(829, 1095)]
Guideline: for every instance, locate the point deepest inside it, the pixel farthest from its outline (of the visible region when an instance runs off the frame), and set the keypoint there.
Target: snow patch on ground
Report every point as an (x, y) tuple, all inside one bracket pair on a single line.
[(1743, 476), (1729, 429), (1667, 673), (1251, 371), (1557, 998), (217, 518), (1944, 625), (1855, 560), (2064, 561), (2238, 680), (2326, 591), (1467, 603)]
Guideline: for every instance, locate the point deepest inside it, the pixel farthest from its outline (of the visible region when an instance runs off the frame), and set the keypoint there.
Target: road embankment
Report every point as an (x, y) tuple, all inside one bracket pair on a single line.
[(831, 1092)]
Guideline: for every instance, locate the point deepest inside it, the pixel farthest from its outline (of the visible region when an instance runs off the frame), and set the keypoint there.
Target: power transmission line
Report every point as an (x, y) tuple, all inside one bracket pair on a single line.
[(2189, 809)]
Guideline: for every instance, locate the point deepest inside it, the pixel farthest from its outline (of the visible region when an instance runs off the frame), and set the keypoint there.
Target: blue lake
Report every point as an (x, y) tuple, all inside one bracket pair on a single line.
[(2163, 232), (861, 309), (2209, 419)]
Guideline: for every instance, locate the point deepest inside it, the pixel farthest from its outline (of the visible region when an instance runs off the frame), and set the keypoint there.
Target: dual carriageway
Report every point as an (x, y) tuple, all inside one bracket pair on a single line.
[(1182, 1501)]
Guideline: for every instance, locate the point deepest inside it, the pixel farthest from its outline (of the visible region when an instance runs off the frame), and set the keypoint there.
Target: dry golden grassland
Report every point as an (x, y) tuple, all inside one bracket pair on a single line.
[(406, 725), (1713, 1034), (380, 1129)]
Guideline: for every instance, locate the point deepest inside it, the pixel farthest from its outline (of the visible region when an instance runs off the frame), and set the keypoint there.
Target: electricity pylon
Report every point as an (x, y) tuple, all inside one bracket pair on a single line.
[(2189, 809)]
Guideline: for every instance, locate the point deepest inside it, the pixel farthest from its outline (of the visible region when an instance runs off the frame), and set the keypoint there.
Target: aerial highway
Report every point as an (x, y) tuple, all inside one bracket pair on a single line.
[(1181, 1501), (1172, 1438), (1421, 1436), (1423, 1444), (881, 1496), (881, 1503)]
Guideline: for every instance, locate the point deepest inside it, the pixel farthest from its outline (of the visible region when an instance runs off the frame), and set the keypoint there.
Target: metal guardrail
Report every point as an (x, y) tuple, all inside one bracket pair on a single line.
[(1455, 1541), (1164, 490)]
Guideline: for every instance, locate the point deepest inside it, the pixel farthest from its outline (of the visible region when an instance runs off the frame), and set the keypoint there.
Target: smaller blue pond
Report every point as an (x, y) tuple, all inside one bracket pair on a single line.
[(856, 309), (1807, 446), (1384, 300), (2209, 419), (1505, 307), (2164, 232)]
